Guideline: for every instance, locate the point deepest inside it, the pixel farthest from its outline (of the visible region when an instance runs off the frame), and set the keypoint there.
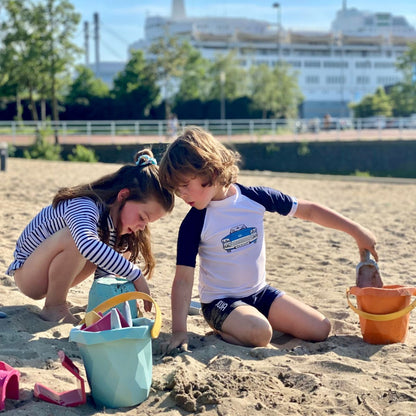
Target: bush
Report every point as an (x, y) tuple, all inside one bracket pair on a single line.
[(42, 149), (11, 150), (82, 154)]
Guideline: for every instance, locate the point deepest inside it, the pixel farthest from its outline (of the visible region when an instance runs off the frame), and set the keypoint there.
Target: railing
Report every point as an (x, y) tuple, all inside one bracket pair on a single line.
[(145, 131)]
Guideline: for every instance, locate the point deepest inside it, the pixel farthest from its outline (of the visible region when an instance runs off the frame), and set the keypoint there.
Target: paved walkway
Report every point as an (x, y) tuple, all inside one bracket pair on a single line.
[(332, 135)]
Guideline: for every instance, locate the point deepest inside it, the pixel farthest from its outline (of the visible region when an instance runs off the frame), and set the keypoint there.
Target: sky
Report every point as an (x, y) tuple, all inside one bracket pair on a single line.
[(122, 21)]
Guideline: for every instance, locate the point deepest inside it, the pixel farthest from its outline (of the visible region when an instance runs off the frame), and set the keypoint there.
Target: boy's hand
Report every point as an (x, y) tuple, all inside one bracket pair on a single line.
[(178, 341), (366, 242)]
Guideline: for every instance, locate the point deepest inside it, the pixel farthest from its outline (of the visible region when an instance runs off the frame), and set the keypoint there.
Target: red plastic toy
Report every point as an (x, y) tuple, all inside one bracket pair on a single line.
[(9, 383), (69, 398)]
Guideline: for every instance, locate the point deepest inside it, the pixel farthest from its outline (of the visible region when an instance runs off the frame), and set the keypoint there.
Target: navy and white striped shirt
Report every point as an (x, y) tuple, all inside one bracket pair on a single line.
[(81, 216)]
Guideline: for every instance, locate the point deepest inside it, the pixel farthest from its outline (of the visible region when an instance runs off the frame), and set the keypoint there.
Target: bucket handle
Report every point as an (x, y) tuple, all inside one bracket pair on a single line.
[(381, 317), (115, 300)]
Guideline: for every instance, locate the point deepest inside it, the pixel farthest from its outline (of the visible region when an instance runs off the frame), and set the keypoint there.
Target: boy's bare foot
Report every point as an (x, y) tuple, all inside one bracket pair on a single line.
[(58, 313)]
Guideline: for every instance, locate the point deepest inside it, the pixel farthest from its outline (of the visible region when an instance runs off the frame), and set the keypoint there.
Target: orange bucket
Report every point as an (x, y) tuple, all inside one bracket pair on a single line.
[(384, 312)]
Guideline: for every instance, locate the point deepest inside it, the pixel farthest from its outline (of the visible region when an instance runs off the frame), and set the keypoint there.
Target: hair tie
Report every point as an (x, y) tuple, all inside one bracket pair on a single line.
[(145, 160)]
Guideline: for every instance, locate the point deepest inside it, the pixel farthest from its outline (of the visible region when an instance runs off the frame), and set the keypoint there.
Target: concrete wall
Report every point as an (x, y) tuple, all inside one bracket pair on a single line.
[(377, 158)]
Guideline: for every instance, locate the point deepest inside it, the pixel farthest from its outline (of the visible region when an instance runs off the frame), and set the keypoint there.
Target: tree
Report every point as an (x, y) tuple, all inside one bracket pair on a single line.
[(403, 94), (21, 51), (135, 87), (403, 99), (59, 23), (194, 83), (378, 104), (407, 64), (37, 52), (168, 56), (275, 91), (228, 78), (85, 87)]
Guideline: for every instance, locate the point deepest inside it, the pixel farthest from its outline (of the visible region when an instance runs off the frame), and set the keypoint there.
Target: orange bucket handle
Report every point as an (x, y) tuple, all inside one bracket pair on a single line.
[(380, 317)]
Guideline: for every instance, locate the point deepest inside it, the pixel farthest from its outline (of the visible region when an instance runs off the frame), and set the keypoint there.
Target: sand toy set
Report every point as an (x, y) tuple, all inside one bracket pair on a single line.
[(117, 351)]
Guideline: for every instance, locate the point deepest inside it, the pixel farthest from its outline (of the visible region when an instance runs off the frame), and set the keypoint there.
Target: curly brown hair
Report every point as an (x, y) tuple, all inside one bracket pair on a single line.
[(197, 153)]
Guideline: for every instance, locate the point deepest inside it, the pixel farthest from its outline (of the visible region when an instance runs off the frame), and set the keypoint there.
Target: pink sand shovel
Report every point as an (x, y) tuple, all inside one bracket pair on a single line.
[(69, 398)]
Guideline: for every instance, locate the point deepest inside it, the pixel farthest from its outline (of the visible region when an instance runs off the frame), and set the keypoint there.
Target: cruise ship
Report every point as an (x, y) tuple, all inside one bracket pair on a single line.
[(334, 67)]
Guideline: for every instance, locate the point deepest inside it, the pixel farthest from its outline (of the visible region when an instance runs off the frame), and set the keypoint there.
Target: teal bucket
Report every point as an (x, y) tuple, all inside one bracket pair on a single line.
[(107, 287), (118, 362)]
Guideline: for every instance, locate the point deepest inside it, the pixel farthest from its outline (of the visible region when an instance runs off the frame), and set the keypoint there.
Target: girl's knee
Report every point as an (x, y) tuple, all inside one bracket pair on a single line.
[(322, 331)]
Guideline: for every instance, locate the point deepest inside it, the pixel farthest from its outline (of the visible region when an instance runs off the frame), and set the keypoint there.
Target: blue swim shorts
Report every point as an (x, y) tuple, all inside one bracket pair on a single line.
[(217, 311)]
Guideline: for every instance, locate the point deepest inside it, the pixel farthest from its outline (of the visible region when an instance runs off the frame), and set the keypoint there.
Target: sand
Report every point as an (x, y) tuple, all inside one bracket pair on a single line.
[(342, 376)]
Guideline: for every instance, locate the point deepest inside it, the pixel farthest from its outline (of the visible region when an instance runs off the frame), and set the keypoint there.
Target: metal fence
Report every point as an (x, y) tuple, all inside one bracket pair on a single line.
[(141, 131)]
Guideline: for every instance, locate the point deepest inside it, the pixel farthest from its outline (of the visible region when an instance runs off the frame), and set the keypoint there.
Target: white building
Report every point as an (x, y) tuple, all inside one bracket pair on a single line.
[(107, 70), (334, 67)]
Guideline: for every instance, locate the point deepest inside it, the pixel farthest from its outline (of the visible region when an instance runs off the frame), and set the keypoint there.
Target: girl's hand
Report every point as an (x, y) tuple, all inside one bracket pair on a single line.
[(141, 286)]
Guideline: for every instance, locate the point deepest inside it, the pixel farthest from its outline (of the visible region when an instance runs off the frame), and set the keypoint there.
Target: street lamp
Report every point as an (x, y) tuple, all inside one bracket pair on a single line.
[(279, 28)]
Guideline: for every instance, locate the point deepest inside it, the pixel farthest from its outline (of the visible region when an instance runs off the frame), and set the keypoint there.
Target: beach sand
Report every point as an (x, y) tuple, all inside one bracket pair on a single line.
[(341, 376)]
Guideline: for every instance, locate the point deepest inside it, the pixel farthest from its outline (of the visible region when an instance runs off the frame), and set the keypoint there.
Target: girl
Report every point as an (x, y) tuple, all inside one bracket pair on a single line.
[(97, 227), (225, 227)]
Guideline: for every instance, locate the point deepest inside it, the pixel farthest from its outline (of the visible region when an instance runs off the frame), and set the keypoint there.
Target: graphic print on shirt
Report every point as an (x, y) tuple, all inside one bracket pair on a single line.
[(239, 236)]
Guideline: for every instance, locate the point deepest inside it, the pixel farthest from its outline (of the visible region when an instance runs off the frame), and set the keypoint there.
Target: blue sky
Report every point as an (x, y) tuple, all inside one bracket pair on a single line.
[(122, 21)]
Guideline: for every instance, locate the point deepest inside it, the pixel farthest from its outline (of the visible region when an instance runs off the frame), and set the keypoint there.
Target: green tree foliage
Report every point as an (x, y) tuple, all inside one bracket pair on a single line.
[(275, 91), (59, 24), (403, 99), (42, 148), (194, 83), (21, 51), (400, 99), (135, 88), (403, 94), (407, 62), (85, 87), (168, 56), (82, 154), (226, 73), (37, 52), (378, 104)]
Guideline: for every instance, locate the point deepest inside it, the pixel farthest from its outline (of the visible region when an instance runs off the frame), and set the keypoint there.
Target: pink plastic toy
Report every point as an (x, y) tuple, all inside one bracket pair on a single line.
[(104, 324), (9, 383), (69, 398)]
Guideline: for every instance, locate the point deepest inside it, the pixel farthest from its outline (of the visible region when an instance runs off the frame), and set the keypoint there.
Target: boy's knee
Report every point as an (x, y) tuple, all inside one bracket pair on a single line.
[(260, 334)]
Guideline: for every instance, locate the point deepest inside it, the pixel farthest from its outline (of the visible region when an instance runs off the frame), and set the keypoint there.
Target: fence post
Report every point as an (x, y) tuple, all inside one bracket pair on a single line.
[(400, 128), (3, 155), (89, 131), (14, 132), (113, 130), (64, 130)]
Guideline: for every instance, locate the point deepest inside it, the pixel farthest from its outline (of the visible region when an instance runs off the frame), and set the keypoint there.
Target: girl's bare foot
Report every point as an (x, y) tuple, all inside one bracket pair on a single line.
[(58, 313)]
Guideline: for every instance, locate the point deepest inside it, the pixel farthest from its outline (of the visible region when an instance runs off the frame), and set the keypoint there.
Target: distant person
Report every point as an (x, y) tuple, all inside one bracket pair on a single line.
[(173, 125), (327, 121), (225, 228), (100, 225)]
